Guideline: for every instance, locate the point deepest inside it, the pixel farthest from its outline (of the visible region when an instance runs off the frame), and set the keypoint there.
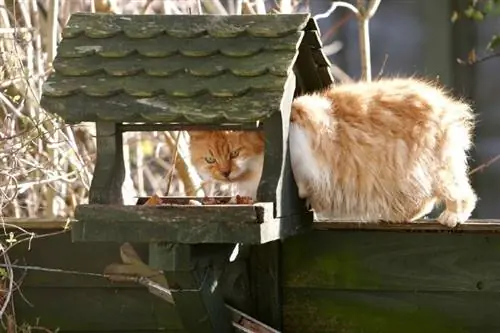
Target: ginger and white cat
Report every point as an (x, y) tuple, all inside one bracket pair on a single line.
[(367, 151), (229, 157)]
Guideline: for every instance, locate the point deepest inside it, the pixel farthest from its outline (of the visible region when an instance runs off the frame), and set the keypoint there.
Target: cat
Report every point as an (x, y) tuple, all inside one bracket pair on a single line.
[(386, 150), (229, 157)]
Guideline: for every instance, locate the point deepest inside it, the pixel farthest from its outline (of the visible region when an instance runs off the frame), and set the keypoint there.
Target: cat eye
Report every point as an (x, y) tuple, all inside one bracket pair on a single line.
[(209, 159), (234, 153)]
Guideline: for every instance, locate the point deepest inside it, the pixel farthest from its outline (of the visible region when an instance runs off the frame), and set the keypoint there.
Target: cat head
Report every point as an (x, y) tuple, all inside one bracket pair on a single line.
[(227, 156)]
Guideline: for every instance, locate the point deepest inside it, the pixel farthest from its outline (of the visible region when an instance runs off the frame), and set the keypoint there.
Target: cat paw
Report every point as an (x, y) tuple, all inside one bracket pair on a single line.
[(451, 219)]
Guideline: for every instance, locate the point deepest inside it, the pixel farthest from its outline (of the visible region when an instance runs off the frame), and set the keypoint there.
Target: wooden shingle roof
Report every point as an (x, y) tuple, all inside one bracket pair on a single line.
[(174, 68)]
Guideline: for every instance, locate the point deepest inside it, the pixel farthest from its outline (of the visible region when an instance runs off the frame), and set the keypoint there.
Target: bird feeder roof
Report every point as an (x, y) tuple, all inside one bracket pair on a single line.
[(173, 68)]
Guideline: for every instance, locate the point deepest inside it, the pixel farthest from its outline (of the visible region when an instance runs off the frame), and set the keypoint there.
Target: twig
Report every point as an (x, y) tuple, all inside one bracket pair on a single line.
[(381, 72), (53, 11), (174, 160), (185, 171), (214, 7), (10, 275), (478, 61), (335, 5), (485, 165)]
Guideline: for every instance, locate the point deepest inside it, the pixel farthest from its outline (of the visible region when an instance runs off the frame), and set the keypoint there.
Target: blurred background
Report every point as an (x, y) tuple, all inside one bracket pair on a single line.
[(46, 166)]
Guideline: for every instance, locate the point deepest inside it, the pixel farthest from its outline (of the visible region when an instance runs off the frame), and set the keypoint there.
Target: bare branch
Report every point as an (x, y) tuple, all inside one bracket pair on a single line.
[(334, 6)]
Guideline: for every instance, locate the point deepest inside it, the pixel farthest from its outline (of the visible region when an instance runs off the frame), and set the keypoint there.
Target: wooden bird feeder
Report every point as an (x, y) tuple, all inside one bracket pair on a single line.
[(182, 72)]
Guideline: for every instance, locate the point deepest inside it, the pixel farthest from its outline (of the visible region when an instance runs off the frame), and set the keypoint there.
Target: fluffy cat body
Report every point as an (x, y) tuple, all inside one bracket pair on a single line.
[(368, 151)]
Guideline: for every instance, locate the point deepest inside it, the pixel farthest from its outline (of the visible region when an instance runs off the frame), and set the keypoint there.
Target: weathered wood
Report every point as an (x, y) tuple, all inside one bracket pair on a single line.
[(195, 69), (381, 261), (175, 214), (321, 311), (473, 225), (277, 183), (109, 171), (183, 26), (481, 226), (194, 287), (46, 224), (58, 252), (254, 65), (172, 110), (306, 71), (188, 127), (96, 309), (179, 224), (265, 275)]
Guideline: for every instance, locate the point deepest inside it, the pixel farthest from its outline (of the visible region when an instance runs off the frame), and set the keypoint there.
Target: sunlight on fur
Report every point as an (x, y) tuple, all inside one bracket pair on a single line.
[(366, 151)]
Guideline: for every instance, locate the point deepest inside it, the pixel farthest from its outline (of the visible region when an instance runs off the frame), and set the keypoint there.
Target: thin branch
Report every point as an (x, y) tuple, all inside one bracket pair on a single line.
[(479, 60), (53, 34), (364, 35), (485, 165), (174, 160), (334, 6)]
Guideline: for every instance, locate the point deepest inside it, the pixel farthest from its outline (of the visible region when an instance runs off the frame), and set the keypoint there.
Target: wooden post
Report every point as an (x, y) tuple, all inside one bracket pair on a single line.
[(265, 274), (109, 172), (194, 286)]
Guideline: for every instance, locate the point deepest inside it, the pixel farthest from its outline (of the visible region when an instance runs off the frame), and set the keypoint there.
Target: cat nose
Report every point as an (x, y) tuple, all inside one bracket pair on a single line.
[(226, 173)]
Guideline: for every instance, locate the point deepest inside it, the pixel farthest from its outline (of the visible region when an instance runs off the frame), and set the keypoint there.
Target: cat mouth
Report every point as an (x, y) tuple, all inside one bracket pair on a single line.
[(232, 177)]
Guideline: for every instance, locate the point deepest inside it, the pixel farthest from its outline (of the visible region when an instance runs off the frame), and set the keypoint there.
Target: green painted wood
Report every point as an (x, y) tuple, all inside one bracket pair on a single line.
[(179, 85), (59, 252), (194, 284), (265, 273), (166, 46), (277, 63), (363, 260), (96, 309), (109, 171), (178, 224), (182, 110), (320, 311), (183, 26), (177, 58), (34, 329)]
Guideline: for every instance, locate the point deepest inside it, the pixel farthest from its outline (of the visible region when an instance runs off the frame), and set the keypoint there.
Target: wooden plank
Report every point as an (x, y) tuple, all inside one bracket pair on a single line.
[(175, 214), (322, 311), (478, 225), (368, 260), (251, 126), (252, 224), (56, 224), (96, 309), (482, 226), (60, 253), (109, 171), (101, 331), (265, 279), (195, 288)]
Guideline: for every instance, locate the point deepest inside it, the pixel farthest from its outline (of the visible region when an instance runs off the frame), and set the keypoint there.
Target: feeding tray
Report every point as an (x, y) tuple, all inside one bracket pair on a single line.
[(187, 220)]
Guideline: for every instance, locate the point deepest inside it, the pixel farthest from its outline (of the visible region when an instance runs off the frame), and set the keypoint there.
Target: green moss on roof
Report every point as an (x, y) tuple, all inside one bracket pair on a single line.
[(173, 68)]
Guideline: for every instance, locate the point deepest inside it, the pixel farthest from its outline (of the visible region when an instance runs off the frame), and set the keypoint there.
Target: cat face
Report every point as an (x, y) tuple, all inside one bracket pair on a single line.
[(227, 156)]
